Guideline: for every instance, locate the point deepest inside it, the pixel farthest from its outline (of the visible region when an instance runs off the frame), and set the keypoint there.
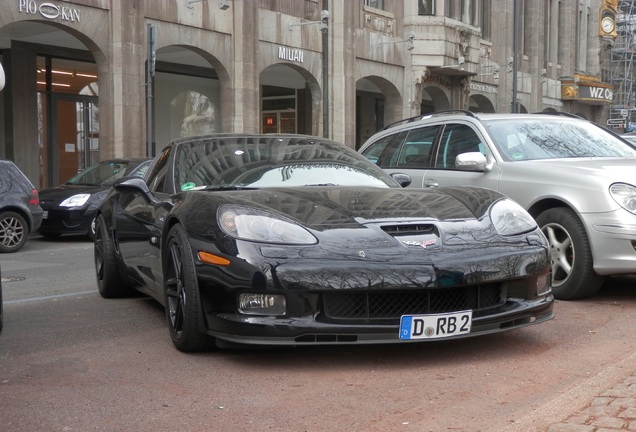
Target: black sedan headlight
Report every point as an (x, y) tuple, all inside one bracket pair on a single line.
[(76, 200), (509, 218), (257, 225)]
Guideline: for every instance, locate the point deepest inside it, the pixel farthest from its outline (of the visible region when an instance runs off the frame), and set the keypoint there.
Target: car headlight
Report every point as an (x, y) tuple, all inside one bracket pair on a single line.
[(256, 225), (509, 218), (75, 201), (625, 195)]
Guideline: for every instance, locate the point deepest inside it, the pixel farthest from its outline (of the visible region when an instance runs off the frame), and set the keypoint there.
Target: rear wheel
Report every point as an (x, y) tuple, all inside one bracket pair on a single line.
[(109, 281), (183, 307), (14, 231), (573, 275)]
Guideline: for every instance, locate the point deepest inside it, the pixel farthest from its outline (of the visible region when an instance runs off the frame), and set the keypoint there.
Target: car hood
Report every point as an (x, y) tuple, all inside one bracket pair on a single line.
[(608, 170), (337, 206), (57, 194)]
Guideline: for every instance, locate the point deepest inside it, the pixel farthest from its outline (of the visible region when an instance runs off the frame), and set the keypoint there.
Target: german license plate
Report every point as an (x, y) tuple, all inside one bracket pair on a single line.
[(45, 214), (435, 326)]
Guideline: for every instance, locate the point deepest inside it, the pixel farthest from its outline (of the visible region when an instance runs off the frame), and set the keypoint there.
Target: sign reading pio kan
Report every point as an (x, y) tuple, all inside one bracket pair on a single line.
[(49, 10)]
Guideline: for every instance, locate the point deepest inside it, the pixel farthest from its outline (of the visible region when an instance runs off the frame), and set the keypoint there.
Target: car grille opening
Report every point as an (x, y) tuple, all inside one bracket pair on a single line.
[(409, 229), (368, 306)]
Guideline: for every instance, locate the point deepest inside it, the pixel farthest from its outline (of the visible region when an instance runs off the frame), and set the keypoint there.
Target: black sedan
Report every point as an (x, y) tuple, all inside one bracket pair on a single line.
[(70, 208), (290, 240)]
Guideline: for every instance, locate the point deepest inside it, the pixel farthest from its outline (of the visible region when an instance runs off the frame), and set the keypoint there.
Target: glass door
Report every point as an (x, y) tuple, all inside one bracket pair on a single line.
[(75, 140)]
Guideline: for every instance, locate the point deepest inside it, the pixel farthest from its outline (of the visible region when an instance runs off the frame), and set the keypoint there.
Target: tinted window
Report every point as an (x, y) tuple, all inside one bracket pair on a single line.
[(375, 150), (158, 175), (415, 150), (457, 139), (551, 139)]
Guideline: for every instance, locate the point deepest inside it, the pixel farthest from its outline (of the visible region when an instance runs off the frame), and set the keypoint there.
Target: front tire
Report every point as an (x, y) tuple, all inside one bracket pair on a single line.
[(109, 281), (14, 232), (183, 307), (573, 275)]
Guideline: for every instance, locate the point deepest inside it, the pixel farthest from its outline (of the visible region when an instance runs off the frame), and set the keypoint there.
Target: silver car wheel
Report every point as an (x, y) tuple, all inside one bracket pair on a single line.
[(561, 253)]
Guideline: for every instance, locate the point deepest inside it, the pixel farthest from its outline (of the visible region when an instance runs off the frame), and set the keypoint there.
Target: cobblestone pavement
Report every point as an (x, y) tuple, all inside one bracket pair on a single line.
[(605, 403), (612, 410)]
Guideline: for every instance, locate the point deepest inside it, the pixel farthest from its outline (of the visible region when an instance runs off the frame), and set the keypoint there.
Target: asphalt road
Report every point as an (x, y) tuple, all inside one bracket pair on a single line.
[(72, 361)]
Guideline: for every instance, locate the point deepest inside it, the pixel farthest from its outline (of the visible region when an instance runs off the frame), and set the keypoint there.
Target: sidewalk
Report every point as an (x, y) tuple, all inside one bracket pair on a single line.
[(605, 403)]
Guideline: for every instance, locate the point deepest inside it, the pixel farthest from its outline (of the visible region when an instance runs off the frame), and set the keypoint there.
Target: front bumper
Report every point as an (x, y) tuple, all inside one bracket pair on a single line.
[(67, 221), (613, 241), (332, 301), (307, 331)]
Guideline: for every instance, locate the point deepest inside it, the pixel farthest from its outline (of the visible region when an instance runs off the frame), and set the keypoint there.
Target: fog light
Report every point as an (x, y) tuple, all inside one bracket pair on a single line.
[(262, 304), (544, 284)]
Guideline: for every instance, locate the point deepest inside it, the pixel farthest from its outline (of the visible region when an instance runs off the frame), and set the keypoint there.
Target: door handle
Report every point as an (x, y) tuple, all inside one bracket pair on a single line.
[(431, 183)]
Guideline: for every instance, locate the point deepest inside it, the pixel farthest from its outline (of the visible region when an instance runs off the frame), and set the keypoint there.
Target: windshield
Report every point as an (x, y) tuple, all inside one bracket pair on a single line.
[(519, 140), (103, 173), (257, 162)]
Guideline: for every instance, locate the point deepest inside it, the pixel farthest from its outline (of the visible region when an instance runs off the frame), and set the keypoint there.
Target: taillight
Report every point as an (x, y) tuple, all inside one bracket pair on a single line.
[(35, 197)]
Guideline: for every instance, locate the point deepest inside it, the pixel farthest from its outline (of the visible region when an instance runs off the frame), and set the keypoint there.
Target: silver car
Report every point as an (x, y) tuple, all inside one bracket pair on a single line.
[(577, 179)]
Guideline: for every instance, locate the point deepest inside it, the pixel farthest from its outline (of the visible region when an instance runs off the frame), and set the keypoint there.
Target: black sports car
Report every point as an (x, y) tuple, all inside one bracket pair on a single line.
[(290, 239), (70, 207)]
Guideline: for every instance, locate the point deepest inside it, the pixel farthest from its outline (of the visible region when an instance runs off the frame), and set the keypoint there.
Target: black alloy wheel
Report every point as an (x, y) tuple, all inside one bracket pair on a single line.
[(109, 281), (183, 308)]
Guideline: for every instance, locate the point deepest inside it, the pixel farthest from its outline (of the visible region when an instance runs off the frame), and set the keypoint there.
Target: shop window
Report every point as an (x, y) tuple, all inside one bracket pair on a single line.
[(426, 7), (192, 113), (378, 4)]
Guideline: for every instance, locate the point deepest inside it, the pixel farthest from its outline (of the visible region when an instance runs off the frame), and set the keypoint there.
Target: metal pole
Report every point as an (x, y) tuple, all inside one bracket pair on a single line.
[(515, 51), (325, 69), (150, 73)]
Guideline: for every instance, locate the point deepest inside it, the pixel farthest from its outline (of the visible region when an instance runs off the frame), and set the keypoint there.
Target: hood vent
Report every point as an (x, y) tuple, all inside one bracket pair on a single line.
[(410, 229)]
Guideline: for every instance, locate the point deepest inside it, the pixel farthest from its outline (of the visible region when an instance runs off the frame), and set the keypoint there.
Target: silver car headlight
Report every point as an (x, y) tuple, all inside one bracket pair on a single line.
[(625, 195), (257, 225), (75, 201), (509, 218)]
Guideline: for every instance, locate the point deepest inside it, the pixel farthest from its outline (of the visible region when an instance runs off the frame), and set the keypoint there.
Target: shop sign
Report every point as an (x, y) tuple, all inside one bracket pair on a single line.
[(49, 10), (294, 55), (593, 93), (483, 88)]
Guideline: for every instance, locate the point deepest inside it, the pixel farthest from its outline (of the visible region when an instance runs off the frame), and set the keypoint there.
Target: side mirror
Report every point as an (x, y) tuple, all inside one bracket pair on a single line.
[(472, 161), (133, 185), (402, 179)]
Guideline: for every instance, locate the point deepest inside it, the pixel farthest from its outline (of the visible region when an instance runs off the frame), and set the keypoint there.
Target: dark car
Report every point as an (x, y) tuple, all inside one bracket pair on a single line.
[(70, 208), (20, 212), (298, 240)]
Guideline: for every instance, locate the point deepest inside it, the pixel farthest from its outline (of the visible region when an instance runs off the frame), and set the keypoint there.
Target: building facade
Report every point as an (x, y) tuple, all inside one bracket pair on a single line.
[(89, 80)]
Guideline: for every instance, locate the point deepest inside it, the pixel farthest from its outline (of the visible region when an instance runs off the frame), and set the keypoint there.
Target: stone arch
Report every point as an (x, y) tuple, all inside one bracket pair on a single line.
[(481, 104), (378, 104), (302, 87), (434, 98), (188, 97)]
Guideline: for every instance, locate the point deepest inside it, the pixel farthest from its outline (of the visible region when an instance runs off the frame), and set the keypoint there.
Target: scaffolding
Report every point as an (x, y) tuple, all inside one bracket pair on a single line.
[(622, 64)]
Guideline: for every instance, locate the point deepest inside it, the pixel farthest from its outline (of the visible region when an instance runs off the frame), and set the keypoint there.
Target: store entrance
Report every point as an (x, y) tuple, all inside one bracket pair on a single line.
[(74, 144)]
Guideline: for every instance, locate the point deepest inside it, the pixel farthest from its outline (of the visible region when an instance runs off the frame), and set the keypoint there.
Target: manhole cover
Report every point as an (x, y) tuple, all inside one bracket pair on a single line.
[(12, 278)]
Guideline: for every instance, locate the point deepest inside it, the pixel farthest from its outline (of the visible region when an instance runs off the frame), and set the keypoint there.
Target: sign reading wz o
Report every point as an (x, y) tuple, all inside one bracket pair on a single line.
[(49, 10)]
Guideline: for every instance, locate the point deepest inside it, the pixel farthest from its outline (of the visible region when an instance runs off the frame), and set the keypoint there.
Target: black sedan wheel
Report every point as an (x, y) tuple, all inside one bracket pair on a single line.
[(109, 282), (573, 275), (13, 232), (183, 309)]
